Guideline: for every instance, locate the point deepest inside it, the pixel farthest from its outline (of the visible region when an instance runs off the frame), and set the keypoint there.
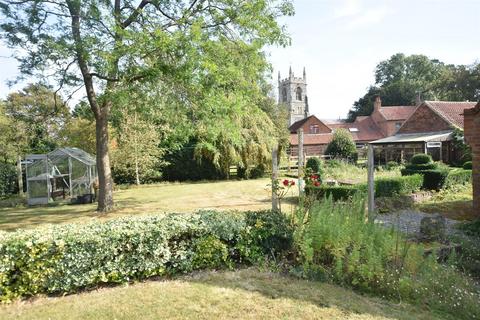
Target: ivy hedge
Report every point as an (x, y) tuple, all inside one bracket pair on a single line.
[(66, 258)]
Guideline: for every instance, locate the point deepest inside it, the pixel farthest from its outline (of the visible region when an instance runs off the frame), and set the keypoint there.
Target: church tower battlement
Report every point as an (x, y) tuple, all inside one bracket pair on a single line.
[(292, 92)]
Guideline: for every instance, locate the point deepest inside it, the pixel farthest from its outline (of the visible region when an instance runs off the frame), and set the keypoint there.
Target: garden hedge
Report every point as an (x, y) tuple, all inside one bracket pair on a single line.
[(433, 179), (421, 158), (468, 165), (66, 258), (336, 192), (458, 177), (384, 187), (388, 187)]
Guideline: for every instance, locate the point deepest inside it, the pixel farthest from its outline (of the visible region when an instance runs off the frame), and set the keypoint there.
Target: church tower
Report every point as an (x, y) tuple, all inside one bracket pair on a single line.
[(292, 92)]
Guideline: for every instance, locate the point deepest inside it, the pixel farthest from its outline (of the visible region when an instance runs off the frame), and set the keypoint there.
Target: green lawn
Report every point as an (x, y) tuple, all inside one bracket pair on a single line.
[(243, 294), (159, 198)]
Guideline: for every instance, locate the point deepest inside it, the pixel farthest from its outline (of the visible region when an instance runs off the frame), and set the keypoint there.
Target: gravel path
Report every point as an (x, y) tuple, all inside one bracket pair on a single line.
[(408, 221)]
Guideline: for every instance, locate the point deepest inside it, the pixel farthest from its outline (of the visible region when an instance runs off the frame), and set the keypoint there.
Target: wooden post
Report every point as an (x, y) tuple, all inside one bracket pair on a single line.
[(70, 176), (371, 182), (300, 161), (275, 205)]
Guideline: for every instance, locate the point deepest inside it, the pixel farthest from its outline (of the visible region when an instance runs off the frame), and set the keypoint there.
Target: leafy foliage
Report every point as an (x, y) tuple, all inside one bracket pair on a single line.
[(401, 77), (315, 165), (421, 158), (336, 243), (434, 177), (389, 187), (457, 177), (467, 165), (8, 176), (342, 146), (67, 258)]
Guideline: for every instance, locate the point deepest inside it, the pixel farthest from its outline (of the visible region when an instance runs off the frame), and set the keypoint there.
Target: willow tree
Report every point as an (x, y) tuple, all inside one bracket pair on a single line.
[(102, 44)]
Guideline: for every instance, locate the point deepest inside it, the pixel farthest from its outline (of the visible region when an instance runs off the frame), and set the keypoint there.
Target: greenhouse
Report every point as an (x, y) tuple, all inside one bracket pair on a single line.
[(65, 173)]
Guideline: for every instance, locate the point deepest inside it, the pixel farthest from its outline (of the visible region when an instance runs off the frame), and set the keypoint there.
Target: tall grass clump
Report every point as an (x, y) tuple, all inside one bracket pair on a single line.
[(337, 242)]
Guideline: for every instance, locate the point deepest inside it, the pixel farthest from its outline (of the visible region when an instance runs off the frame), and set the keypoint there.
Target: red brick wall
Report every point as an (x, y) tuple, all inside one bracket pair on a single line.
[(322, 127), (424, 120), (472, 137)]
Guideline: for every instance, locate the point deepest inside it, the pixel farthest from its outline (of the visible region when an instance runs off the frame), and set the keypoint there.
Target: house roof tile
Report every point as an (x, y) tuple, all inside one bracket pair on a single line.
[(451, 111), (397, 112)]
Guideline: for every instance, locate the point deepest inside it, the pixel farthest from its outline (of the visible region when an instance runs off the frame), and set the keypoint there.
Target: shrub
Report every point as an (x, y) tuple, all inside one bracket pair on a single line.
[(423, 166), (342, 146), (421, 158), (388, 187), (432, 179), (467, 165), (336, 243), (253, 173), (65, 258), (391, 165), (458, 177), (337, 193), (315, 165), (8, 179)]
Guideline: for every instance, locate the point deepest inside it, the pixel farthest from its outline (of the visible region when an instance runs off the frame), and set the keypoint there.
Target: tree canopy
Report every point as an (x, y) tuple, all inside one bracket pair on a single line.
[(400, 78), (194, 47)]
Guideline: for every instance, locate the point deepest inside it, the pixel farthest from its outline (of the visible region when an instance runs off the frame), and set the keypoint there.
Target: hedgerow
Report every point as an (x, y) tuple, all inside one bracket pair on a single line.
[(66, 258)]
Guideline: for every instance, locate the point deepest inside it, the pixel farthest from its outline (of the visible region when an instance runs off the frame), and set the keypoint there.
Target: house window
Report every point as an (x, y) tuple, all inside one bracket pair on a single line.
[(299, 93), (314, 129), (397, 125)]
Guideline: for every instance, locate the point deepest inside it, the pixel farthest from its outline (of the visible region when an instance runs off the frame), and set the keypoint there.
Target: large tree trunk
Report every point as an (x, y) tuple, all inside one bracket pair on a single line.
[(19, 176), (105, 193)]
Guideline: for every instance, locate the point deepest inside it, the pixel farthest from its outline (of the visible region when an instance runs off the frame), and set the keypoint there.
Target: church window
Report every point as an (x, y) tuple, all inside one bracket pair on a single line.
[(284, 95), (299, 93)]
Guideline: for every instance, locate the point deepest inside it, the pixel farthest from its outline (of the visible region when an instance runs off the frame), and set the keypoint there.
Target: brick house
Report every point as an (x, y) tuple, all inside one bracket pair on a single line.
[(472, 137), (383, 122), (429, 129)]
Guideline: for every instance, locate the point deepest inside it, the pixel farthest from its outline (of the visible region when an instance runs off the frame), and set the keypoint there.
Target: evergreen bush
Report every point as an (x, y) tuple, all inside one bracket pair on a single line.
[(66, 258), (421, 158), (458, 177), (467, 165), (389, 187), (8, 179), (315, 165), (342, 146)]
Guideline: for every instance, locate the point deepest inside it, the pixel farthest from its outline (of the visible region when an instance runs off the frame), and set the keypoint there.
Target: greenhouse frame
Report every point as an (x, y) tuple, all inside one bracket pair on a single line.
[(66, 173)]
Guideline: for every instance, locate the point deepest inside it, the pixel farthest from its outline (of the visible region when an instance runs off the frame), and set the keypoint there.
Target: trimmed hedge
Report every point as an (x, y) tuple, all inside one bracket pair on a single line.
[(423, 166), (336, 192), (468, 165), (458, 176), (432, 179), (388, 187), (384, 187), (66, 258), (421, 158)]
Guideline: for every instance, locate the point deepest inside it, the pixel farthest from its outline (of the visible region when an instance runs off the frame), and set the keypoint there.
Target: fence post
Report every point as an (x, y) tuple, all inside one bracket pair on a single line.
[(300, 161), (371, 182), (274, 177)]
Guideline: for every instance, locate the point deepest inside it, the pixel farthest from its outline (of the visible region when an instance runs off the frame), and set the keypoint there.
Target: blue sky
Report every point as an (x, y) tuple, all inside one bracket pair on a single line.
[(341, 41)]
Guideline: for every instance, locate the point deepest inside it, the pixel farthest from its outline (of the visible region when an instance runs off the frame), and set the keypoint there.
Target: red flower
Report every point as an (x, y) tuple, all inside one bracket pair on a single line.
[(285, 183), (292, 183), (315, 177), (316, 183)]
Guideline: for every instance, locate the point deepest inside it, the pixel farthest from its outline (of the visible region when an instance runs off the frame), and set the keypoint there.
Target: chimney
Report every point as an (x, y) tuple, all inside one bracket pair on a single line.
[(418, 98), (377, 104)]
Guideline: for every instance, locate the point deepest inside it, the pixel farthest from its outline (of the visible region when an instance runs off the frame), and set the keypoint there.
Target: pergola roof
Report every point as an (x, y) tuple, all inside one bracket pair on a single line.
[(416, 137)]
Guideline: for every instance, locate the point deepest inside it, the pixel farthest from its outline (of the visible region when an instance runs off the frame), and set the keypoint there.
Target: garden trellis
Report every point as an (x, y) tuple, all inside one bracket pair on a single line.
[(63, 173)]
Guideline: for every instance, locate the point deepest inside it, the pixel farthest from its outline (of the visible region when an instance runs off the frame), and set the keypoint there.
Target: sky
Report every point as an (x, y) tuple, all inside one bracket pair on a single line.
[(340, 42)]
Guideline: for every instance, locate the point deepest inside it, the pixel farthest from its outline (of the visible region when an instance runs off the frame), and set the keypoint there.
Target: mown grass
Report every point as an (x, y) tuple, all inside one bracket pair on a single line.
[(243, 294), (147, 199)]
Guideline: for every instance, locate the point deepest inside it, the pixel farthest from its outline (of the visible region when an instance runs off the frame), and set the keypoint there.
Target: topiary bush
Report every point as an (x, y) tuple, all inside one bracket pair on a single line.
[(66, 258), (467, 165), (342, 146), (421, 158)]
